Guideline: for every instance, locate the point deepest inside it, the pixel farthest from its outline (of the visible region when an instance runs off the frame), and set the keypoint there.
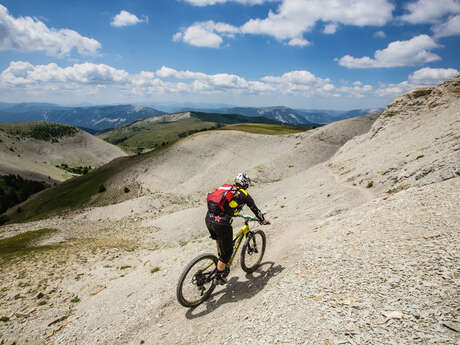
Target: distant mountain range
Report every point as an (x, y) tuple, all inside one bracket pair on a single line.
[(90, 118), (98, 118), (286, 115)]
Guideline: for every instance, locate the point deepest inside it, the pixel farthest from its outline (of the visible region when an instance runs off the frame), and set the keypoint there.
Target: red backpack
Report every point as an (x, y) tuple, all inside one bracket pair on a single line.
[(219, 199)]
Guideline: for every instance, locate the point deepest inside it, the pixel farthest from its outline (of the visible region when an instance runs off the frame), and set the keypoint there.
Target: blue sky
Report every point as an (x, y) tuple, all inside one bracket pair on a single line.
[(330, 54)]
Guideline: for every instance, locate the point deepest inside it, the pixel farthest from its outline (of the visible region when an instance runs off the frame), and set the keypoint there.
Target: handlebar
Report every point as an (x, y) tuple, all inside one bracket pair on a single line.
[(248, 218)]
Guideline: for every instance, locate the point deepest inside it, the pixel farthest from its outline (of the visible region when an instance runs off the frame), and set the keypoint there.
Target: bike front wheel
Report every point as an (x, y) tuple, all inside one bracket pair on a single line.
[(253, 251), (196, 283)]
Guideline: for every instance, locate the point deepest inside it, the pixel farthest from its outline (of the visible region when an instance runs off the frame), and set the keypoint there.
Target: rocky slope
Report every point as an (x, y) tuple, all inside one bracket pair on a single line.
[(346, 262), (36, 159), (416, 141)]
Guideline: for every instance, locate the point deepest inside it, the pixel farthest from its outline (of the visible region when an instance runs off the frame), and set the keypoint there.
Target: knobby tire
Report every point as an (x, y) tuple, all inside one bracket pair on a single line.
[(248, 250), (188, 275)]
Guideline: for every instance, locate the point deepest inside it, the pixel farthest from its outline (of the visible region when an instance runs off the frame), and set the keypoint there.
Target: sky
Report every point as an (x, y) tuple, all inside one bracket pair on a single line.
[(309, 54)]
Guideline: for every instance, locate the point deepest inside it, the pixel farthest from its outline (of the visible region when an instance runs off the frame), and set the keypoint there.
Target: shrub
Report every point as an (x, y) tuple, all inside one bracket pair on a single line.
[(101, 189), (370, 184), (126, 190), (75, 299), (4, 319), (155, 269)]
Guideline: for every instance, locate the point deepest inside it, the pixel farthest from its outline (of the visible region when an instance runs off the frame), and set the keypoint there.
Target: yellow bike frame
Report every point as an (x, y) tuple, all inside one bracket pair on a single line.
[(237, 242)]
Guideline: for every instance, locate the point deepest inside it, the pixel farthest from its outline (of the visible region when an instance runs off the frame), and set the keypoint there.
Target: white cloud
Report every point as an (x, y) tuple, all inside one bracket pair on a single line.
[(296, 77), (21, 73), (92, 78), (215, 2), (124, 18), (167, 72), (330, 28), (293, 18), (29, 34), (422, 77), (380, 34), (206, 34), (196, 35), (449, 28), (430, 11), (298, 42), (413, 52), (432, 76)]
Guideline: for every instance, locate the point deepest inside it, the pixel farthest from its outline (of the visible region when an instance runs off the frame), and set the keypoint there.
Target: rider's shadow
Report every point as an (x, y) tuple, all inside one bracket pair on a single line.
[(236, 290)]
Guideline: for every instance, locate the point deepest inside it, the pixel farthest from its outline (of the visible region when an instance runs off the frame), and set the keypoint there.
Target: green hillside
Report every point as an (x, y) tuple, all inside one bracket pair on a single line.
[(263, 128), (145, 134), (150, 135), (75, 193), (46, 131)]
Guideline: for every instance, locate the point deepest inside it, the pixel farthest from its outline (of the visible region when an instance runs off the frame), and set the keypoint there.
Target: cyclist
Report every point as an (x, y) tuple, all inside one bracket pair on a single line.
[(219, 219)]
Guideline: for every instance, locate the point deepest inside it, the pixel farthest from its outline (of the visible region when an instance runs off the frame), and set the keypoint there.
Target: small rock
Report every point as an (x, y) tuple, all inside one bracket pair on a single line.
[(427, 237), (96, 290), (393, 314)]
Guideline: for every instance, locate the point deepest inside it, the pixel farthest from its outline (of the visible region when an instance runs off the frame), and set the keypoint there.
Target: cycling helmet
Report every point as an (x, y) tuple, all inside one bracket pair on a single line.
[(242, 180)]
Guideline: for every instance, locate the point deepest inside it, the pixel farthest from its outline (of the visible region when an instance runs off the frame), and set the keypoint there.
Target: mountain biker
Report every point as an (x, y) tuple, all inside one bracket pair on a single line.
[(219, 222)]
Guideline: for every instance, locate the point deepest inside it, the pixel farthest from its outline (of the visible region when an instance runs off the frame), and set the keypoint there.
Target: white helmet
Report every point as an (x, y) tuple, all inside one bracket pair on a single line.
[(242, 180)]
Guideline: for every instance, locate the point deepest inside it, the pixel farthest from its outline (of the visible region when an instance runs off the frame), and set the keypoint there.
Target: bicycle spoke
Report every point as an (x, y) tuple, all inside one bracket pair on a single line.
[(196, 282)]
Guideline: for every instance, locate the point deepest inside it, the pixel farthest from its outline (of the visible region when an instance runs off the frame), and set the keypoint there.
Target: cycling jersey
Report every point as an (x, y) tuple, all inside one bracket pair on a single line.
[(219, 223)]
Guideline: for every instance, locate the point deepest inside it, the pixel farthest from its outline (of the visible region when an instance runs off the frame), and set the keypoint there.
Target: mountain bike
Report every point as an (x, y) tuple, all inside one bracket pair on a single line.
[(197, 281)]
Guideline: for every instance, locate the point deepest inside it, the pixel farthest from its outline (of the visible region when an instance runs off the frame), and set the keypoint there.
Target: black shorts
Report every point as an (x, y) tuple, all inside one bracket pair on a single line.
[(222, 232)]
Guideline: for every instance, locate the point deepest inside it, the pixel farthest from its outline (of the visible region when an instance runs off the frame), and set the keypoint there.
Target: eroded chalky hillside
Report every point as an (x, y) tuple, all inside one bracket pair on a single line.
[(362, 249)]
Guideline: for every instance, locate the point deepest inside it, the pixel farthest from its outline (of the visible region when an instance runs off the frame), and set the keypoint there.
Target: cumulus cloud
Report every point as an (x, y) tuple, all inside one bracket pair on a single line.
[(449, 28), (215, 2), (429, 11), (302, 83), (124, 18), (88, 77), (293, 18), (432, 76), (206, 34), (298, 42), (415, 51), (422, 77), (28, 34), (330, 28), (167, 72), (20, 73)]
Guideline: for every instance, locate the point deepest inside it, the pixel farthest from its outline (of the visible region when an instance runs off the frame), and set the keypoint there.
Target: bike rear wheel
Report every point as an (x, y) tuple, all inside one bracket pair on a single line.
[(196, 283), (253, 251)]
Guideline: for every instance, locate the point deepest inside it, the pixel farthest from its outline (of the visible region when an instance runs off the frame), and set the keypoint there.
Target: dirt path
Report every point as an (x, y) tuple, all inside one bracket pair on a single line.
[(243, 292)]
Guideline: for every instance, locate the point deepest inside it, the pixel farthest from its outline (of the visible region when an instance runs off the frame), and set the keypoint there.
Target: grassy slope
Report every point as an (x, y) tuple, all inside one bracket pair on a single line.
[(22, 244), (41, 130), (262, 128), (74, 193), (152, 135), (83, 190)]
